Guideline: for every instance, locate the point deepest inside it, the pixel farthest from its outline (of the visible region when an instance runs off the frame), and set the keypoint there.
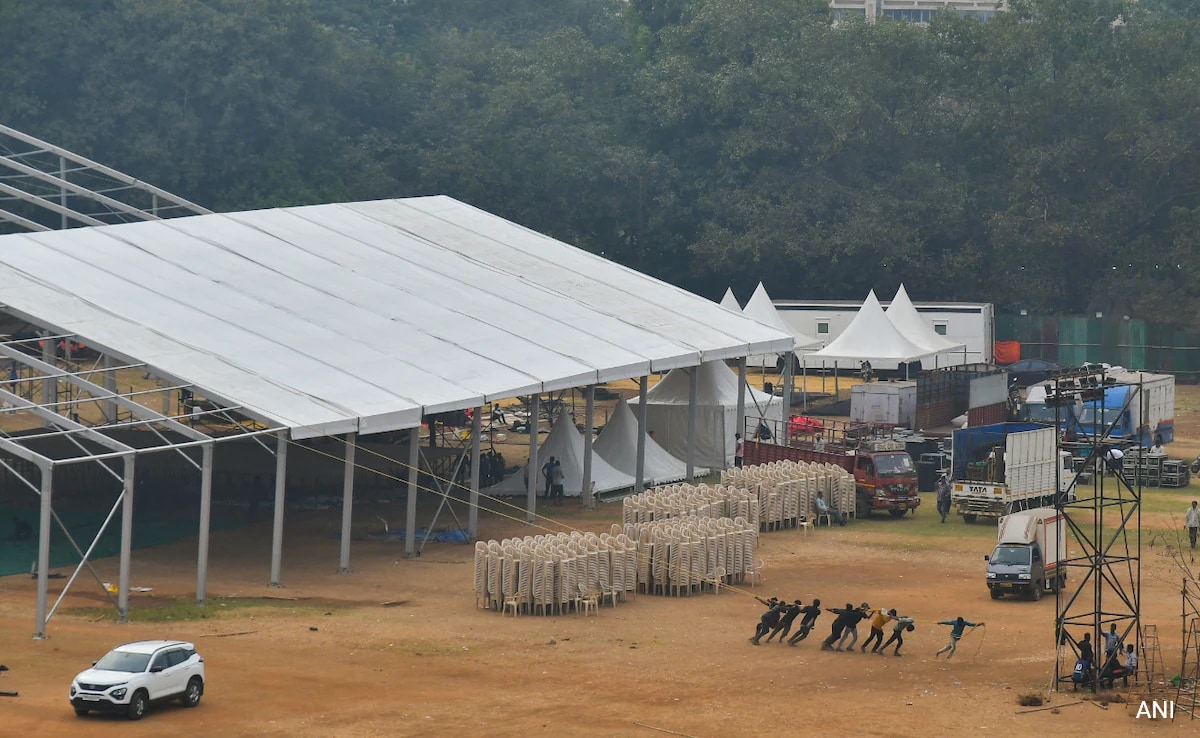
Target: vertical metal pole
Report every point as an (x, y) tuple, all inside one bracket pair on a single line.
[(589, 433), (535, 411), (476, 459), (126, 536), (62, 191), (49, 384), (741, 405), (281, 449), (804, 387), (110, 384), (347, 503), (43, 565), (206, 470), (639, 482), (788, 371), (693, 391), (414, 472)]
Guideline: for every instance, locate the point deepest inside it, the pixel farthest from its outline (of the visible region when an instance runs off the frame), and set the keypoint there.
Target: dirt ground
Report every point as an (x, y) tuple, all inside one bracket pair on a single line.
[(334, 662)]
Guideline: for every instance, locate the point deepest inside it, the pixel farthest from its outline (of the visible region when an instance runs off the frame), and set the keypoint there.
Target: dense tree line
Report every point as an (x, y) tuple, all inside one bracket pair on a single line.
[(1045, 159)]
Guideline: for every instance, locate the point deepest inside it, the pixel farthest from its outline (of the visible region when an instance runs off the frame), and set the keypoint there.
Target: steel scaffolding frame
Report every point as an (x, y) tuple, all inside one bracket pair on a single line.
[(1104, 517), (45, 187)]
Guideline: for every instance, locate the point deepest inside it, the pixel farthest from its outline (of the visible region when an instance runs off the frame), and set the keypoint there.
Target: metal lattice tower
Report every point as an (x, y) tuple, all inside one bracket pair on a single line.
[(1103, 586), (44, 187)]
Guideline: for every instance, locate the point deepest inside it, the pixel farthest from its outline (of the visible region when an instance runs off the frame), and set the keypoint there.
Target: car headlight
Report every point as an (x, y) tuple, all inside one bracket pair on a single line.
[(991, 575), (1023, 576), (72, 690), (118, 694), (881, 494)]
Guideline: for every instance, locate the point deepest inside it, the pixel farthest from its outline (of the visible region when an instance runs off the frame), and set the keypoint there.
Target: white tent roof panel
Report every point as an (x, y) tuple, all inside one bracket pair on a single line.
[(872, 337), (909, 322), (362, 316)]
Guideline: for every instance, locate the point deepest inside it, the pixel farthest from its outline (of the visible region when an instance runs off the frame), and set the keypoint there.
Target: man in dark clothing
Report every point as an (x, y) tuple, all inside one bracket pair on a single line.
[(770, 618), (548, 474), (1085, 648), (785, 623), (903, 623), (844, 617), (811, 613)]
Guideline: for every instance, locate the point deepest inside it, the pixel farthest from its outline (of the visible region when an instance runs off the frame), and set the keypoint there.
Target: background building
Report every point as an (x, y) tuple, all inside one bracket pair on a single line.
[(916, 11)]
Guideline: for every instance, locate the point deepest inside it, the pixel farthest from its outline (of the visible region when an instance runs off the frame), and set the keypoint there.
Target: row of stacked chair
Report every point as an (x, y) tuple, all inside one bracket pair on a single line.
[(551, 574), (787, 490), (683, 555), (703, 500)]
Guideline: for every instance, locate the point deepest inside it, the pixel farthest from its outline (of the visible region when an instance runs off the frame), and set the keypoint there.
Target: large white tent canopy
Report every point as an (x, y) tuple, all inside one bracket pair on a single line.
[(872, 337), (618, 444), (362, 317)]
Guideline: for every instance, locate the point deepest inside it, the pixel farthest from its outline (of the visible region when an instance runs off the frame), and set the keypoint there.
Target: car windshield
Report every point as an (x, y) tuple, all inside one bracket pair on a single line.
[(1011, 556), (890, 465), (123, 661)]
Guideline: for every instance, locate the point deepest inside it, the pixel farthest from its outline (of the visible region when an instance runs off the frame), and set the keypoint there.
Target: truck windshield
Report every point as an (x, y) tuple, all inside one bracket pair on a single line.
[(1010, 556), (1104, 417), (1044, 414), (892, 465)]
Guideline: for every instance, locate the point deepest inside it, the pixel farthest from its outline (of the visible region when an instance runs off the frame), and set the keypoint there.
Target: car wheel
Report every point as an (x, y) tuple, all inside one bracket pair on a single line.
[(897, 513), (137, 706), (968, 518), (1035, 591), (81, 711), (995, 593), (191, 696)]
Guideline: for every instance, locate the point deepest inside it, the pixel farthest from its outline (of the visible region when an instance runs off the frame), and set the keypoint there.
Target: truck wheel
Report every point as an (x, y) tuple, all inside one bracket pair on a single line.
[(995, 593), (1035, 591), (967, 518), (864, 506), (897, 513)]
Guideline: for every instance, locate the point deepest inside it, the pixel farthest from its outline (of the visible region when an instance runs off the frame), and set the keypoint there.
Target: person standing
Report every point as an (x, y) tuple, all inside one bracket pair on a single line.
[(547, 472), (556, 483), (879, 618), (739, 450), (1191, 521), (902, 624), (943, 495), (811, 613), (1112, 643), (957, 626), (785, 622)]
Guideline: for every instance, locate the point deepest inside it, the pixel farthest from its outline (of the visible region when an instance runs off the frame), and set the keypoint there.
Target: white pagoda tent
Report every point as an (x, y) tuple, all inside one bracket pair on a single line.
[(618, 444), (761, 309), (565, 443), (909, 322), (729, 302), (870, 337)]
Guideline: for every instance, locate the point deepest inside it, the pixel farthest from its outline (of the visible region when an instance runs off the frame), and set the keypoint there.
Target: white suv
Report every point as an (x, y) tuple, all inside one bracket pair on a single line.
[(132, 676)]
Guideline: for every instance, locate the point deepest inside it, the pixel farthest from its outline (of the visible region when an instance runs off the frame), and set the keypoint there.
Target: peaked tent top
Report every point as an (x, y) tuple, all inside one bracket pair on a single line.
[(565, 443), (760, 308), (872, 337), (909, 322), (729, 302), (362, 317)]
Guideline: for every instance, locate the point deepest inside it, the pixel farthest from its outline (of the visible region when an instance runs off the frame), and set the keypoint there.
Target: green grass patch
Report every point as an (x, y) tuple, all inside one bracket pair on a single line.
[(165, 610)]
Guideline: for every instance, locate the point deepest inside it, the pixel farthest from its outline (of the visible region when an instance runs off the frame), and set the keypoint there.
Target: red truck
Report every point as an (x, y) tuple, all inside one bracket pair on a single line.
[(884, 473)]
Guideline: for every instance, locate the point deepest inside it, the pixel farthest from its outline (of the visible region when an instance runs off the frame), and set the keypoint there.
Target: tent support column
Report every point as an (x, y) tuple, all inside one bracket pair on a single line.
[(804, 374), (126, 537), (693, 391), (639, 481), (49, 385), (348, 501), (414, 470), (43, 565), (741, 401), (473, 509), (589, 433), (535, 412), (206, 473), (110, 384), (788, 373), (281, 447)]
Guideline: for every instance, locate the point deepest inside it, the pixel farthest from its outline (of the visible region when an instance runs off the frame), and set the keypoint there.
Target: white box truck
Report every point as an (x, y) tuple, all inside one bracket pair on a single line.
[(1030, 548), (1005, 467)]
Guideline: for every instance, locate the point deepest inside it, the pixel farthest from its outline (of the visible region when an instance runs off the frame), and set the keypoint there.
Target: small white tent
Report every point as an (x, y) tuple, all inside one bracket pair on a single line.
[(871, 337), (716, 413), (618, 442), (908, 321), (729, 302), (565, 443), (761, 309)]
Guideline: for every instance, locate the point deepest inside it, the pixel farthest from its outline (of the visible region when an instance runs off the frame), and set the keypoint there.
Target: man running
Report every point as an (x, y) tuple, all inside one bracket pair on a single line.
[(785, 622), (811, 613), (957, 626)]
